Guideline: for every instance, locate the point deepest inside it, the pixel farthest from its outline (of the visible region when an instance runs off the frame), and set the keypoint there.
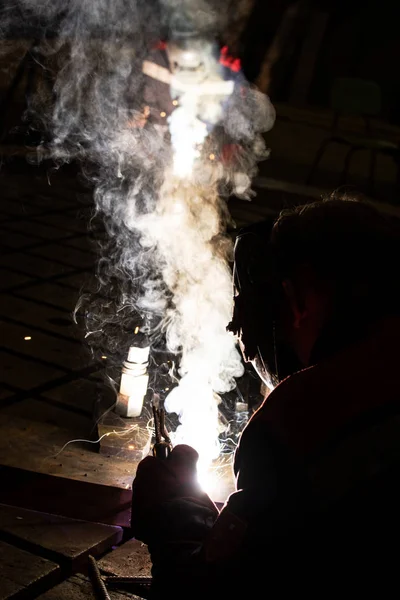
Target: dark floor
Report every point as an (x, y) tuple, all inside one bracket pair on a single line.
[(50, 385)]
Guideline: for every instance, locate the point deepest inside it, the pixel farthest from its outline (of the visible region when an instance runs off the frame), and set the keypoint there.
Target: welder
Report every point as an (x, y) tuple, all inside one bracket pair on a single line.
[(191, 62), (316, 310), (186, 58)]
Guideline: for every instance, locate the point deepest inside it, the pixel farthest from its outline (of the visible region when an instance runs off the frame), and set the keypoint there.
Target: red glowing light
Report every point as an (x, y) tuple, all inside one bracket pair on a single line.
[(228, 61)]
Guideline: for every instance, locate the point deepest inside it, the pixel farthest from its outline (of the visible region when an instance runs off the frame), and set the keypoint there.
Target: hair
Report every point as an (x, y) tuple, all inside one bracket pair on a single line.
[(349, 243)]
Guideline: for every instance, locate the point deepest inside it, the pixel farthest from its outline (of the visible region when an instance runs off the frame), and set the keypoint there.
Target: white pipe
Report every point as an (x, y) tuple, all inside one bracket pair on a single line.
[(134, 382)]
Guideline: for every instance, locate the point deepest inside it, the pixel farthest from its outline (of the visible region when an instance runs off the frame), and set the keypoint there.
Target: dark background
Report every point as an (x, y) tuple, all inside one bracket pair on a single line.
[(360, 39), (294, 52), (52, 389)]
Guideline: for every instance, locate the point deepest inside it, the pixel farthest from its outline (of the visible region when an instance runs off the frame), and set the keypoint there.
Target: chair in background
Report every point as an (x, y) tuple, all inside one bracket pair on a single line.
[(360, 98)]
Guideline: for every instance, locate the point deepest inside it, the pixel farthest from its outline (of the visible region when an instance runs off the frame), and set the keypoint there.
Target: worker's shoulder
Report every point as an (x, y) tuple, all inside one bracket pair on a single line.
[(280, 406), (343, 376), (288, 391), (310, 406)]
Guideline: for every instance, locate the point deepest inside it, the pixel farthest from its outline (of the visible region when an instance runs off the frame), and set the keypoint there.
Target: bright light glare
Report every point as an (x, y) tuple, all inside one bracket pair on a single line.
[(207, 479), (187, 134), (27, 338), (197, 406), (217, 479)]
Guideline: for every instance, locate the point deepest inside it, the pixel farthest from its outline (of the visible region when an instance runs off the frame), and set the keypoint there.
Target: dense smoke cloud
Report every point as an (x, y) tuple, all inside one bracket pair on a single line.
[(165, 260)]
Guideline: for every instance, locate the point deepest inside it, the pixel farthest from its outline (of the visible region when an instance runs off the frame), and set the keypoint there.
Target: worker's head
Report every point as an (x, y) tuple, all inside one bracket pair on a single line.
[(322, 271), (192, 59)]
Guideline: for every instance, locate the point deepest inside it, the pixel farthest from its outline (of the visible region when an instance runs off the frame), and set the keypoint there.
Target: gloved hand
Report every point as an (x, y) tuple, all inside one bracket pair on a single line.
[(160, 484)]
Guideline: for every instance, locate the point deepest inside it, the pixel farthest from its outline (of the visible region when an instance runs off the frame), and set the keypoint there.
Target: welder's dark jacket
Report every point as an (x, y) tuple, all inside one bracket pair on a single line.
[(317, 472)]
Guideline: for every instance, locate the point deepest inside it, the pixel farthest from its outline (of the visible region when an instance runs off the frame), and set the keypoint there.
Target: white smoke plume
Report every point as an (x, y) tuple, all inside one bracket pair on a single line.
[(161, 189)]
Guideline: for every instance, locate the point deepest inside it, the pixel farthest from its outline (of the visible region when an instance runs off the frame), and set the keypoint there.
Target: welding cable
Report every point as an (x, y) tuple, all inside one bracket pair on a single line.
[(98, 585)]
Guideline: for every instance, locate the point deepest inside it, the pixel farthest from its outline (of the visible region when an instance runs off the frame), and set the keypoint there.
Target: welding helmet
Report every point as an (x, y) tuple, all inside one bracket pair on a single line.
[(258, 300)]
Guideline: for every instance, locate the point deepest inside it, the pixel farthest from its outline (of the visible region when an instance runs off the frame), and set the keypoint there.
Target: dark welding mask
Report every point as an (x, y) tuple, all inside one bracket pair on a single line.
[(258, 300)]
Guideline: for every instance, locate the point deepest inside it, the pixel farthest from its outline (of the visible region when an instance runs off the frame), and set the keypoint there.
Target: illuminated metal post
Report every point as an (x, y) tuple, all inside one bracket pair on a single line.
[(124, 430), (134, 382)]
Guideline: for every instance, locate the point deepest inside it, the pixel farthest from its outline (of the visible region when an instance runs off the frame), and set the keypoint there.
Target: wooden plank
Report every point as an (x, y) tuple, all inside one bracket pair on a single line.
[(63, 540), (24, 575), (132, 559), (66, 497), (79, 587), (36, 446)]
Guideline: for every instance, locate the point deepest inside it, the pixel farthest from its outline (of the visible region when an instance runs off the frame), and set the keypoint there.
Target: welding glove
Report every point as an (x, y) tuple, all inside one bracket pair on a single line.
[(167, 501)]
